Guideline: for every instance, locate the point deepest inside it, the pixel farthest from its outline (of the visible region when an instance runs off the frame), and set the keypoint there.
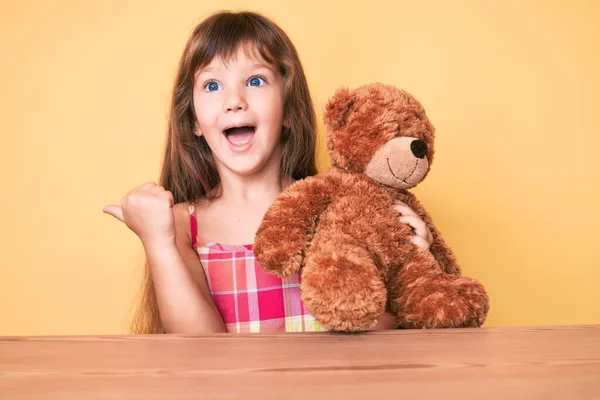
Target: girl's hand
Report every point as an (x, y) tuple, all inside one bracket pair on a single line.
[(148, 211), (423, 237)]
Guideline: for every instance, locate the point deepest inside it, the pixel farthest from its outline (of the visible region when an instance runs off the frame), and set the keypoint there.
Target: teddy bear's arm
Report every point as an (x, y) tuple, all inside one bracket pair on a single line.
[(440, 250), (289, 225)]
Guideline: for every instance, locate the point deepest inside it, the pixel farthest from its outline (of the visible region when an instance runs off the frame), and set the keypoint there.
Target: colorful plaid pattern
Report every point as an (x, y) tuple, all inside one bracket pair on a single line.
[(249, 299)]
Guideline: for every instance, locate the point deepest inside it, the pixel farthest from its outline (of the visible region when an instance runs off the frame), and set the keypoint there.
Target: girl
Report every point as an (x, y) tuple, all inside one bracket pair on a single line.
[(241, 129)]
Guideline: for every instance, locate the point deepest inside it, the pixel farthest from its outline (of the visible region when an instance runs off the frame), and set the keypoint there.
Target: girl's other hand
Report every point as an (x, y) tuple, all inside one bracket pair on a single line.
[(148, 211), (423, 237)]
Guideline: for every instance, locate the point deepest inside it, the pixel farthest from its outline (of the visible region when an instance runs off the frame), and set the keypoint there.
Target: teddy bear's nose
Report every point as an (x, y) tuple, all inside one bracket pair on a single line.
[(418, 148)]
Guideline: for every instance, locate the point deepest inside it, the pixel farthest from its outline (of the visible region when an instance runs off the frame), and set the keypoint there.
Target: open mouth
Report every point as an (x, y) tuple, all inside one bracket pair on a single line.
[(402, 179), (240, 135)]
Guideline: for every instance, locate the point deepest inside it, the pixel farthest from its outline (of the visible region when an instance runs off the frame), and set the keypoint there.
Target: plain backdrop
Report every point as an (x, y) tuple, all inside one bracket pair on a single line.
[(512, 88)]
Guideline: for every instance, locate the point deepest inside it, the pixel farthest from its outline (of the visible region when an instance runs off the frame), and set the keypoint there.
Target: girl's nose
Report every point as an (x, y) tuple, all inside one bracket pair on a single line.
[(235, 101)]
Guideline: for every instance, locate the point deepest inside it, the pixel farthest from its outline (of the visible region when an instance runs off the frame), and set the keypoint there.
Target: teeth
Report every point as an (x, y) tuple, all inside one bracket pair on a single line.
[(240, 136), (241, 143)]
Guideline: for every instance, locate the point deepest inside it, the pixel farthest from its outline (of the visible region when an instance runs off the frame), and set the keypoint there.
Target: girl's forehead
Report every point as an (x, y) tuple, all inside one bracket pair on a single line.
[(244, 55)]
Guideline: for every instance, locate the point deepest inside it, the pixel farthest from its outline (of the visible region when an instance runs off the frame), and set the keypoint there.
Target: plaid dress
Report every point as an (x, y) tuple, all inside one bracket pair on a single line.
[(248, 299)]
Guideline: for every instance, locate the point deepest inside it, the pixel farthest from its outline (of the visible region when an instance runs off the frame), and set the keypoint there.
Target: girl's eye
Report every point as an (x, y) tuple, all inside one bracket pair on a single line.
[(212, 86), (256, 81)]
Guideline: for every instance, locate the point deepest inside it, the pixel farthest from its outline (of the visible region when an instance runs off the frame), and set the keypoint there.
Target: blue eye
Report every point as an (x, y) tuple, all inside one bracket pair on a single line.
[(212, 86), (256, 81)]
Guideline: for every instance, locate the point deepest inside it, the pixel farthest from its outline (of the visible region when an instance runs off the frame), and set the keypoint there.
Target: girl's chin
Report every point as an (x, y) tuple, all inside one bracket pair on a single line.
[(248, 166)]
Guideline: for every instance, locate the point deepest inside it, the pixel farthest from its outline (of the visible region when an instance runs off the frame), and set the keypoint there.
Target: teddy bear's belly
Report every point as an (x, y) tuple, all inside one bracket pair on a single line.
[(369, 221)]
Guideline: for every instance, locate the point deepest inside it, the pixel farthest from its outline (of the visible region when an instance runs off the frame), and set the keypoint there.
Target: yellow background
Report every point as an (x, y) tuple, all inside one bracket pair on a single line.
[(512, 88)]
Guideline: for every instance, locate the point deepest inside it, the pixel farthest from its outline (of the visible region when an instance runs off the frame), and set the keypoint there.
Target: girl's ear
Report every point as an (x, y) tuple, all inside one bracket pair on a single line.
[(197, 131), (338, 107)]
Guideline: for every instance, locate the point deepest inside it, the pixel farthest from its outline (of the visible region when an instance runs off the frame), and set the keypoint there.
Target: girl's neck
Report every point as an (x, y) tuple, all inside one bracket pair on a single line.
[(252, 190), (235, 214)]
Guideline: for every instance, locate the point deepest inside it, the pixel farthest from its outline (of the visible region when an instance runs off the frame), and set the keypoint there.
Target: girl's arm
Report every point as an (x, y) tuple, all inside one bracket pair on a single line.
[(184, 300)]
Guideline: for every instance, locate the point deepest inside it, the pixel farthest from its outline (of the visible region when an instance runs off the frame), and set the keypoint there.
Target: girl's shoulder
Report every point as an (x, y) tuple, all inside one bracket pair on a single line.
[(189, 218), (185, 209), (185, 214)]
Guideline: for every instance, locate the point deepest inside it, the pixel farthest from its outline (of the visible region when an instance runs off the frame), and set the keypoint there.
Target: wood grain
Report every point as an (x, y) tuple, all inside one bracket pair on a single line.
[(508, 363)]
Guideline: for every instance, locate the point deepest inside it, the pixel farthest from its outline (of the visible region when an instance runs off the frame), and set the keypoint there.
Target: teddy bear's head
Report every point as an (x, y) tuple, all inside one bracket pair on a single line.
[(382, 131)]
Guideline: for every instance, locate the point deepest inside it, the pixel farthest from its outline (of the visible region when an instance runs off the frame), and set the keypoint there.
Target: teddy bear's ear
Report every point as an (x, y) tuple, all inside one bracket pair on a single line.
[(338, 107)]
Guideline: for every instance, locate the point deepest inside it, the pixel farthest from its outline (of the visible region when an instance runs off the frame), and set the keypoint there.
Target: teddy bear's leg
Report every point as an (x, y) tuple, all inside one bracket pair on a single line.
[(422, 296), (341, 286)]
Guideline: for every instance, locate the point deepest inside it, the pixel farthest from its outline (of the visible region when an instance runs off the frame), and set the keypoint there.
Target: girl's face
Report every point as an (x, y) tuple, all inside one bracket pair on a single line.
[(239, 107)]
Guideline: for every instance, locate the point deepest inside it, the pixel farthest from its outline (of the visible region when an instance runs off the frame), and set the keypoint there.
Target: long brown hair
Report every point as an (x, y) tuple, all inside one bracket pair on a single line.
[(188, 169)]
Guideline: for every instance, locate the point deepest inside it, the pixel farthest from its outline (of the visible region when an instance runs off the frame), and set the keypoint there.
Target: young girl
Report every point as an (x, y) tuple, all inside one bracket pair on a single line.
[(241, 129)]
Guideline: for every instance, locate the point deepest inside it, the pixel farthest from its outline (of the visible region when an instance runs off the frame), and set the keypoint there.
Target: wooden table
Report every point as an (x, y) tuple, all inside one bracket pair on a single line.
[(487, 363)]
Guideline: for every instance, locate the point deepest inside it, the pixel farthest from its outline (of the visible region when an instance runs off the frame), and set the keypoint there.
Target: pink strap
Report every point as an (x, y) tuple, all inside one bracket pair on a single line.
[(193, 226)]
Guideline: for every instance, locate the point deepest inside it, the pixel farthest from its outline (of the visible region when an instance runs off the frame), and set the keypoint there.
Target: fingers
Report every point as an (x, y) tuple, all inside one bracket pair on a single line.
[(423, 237), (168, 196), (160, 192), (141, 188), (420, 242), (155, 190), (115, 211), (403, 208), (416, 223), (149, 188)]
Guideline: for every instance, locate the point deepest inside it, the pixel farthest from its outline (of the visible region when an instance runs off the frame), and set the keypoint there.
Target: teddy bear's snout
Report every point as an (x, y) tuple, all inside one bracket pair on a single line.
[(418, 148)]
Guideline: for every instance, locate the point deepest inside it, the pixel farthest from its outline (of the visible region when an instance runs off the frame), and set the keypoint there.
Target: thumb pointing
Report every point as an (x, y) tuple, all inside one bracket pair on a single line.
[(115, 211)]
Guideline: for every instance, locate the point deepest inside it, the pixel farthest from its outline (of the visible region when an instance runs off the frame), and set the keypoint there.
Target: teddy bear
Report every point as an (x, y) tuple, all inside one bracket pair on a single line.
[(339, 228)]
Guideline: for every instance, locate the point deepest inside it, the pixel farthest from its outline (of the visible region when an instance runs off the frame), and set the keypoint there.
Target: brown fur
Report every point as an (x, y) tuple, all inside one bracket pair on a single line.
[(341, 230)]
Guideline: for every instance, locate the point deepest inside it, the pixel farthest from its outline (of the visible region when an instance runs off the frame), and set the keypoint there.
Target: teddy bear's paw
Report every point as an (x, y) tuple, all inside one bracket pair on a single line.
[(451, 303), (344, 292), (280, 260), (280, 266)]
